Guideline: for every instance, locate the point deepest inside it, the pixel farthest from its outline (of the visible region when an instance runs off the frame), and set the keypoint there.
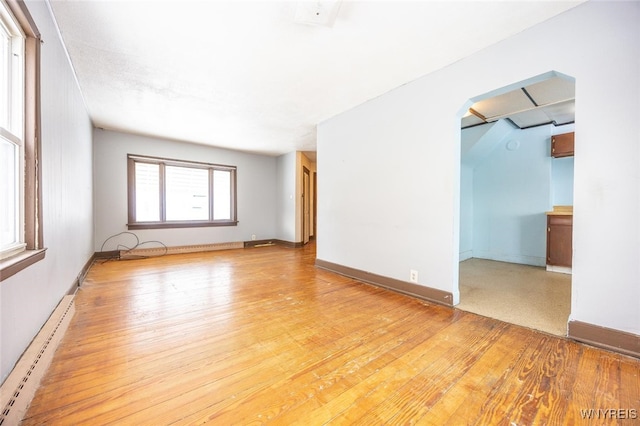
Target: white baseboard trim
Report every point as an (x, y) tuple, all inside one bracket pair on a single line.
[(560, 269)]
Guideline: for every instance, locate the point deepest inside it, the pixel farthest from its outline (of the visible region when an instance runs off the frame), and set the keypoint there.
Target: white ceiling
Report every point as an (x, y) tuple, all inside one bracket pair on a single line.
[(249, 76)]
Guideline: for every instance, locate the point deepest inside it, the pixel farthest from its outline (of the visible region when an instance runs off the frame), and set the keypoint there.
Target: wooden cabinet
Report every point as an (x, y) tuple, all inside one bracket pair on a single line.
[(562, 145), (559, 240)]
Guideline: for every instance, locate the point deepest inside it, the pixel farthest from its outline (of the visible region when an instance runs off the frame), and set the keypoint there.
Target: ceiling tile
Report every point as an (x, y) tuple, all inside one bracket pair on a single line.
[(561, 113), (470, 120), (551, 91), (503, 105), (530, 118)]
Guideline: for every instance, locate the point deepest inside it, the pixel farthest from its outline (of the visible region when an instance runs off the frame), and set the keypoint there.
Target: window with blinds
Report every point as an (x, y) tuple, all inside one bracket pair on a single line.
[(176, 193)]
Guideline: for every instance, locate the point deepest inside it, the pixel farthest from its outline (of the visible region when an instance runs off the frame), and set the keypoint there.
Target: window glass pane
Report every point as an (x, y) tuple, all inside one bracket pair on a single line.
[(5, 62), (9, 194), (147, 192), (187, 193), (221, 194), (17, 88)]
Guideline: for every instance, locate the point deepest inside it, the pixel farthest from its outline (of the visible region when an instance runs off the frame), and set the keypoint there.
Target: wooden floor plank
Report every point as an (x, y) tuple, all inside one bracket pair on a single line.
[(257, 336), (331, 371), (431, 363), (466, 397), (350, 369)]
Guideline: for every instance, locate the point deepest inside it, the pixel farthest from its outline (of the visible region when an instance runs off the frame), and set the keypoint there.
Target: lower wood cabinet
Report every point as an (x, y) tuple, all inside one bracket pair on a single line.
[(559, 240)]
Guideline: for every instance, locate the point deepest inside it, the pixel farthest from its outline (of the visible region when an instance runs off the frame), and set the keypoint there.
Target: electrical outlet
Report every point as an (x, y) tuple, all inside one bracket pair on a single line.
[(253, 237), (413, 276)]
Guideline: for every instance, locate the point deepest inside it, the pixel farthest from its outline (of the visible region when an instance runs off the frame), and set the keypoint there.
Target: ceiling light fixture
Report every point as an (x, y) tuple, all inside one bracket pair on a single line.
[(320, 12)]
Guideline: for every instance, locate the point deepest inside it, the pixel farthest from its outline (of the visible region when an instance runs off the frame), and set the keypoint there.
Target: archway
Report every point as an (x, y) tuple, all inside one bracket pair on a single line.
[(509, 181)]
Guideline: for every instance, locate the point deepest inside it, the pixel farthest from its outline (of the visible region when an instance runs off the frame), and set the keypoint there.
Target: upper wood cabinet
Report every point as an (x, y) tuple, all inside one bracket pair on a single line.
[(562, 145)]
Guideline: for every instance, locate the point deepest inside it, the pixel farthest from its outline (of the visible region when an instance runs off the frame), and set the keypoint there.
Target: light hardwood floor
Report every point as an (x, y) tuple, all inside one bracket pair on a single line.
[(261, 335)]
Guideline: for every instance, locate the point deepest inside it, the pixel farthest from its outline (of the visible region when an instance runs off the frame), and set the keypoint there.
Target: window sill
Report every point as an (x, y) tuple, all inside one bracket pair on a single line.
[(168, 225), (17, 263)]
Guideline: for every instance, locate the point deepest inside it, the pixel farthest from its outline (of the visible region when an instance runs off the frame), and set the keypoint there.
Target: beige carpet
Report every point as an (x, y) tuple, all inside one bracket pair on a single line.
[(519, 294)]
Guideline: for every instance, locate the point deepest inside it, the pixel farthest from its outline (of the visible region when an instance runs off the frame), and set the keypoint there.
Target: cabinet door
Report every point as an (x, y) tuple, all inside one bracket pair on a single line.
[(562, 145), (559, 240)]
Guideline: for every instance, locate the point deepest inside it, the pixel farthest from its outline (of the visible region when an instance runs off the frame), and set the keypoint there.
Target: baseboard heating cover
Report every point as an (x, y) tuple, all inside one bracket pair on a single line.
[(18, 389), (159, 251)]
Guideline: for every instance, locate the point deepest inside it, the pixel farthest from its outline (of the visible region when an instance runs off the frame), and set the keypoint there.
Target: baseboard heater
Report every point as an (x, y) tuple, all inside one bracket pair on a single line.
[(159, 251), (18, 389)]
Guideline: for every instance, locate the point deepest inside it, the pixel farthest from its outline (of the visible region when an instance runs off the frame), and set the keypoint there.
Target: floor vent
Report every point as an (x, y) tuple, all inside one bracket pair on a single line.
[(17, 391), (159, 251)]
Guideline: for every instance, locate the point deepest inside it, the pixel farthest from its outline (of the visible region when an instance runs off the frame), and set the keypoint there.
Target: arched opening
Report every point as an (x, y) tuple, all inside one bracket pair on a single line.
[(511, 183)]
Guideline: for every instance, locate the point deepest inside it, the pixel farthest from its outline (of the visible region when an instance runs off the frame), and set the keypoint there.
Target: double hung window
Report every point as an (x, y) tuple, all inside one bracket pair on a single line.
[(20, 210), (11, 134), (165, 193)]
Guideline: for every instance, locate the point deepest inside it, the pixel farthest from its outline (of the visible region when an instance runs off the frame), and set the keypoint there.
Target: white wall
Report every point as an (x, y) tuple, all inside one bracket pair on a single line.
[(286, 197), (28, 298), (505, 192), (476, 144), (466, 212), (511, 193), (289, 199), (562, 181), (389, 170), (385, 200), (256, 190)]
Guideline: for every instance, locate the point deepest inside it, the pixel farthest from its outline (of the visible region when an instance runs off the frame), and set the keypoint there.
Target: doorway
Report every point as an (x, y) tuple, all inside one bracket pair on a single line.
[(506, 188), (306, 205)]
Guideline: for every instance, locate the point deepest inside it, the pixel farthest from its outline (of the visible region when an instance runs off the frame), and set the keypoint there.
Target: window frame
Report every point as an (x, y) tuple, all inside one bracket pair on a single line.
[(132, 223), (30, 204)]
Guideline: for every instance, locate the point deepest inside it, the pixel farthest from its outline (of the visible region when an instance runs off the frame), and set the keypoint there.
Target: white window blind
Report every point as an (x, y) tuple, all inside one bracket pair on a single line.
[(147, 192), (221, 194), (187, 193), (9, 236)]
